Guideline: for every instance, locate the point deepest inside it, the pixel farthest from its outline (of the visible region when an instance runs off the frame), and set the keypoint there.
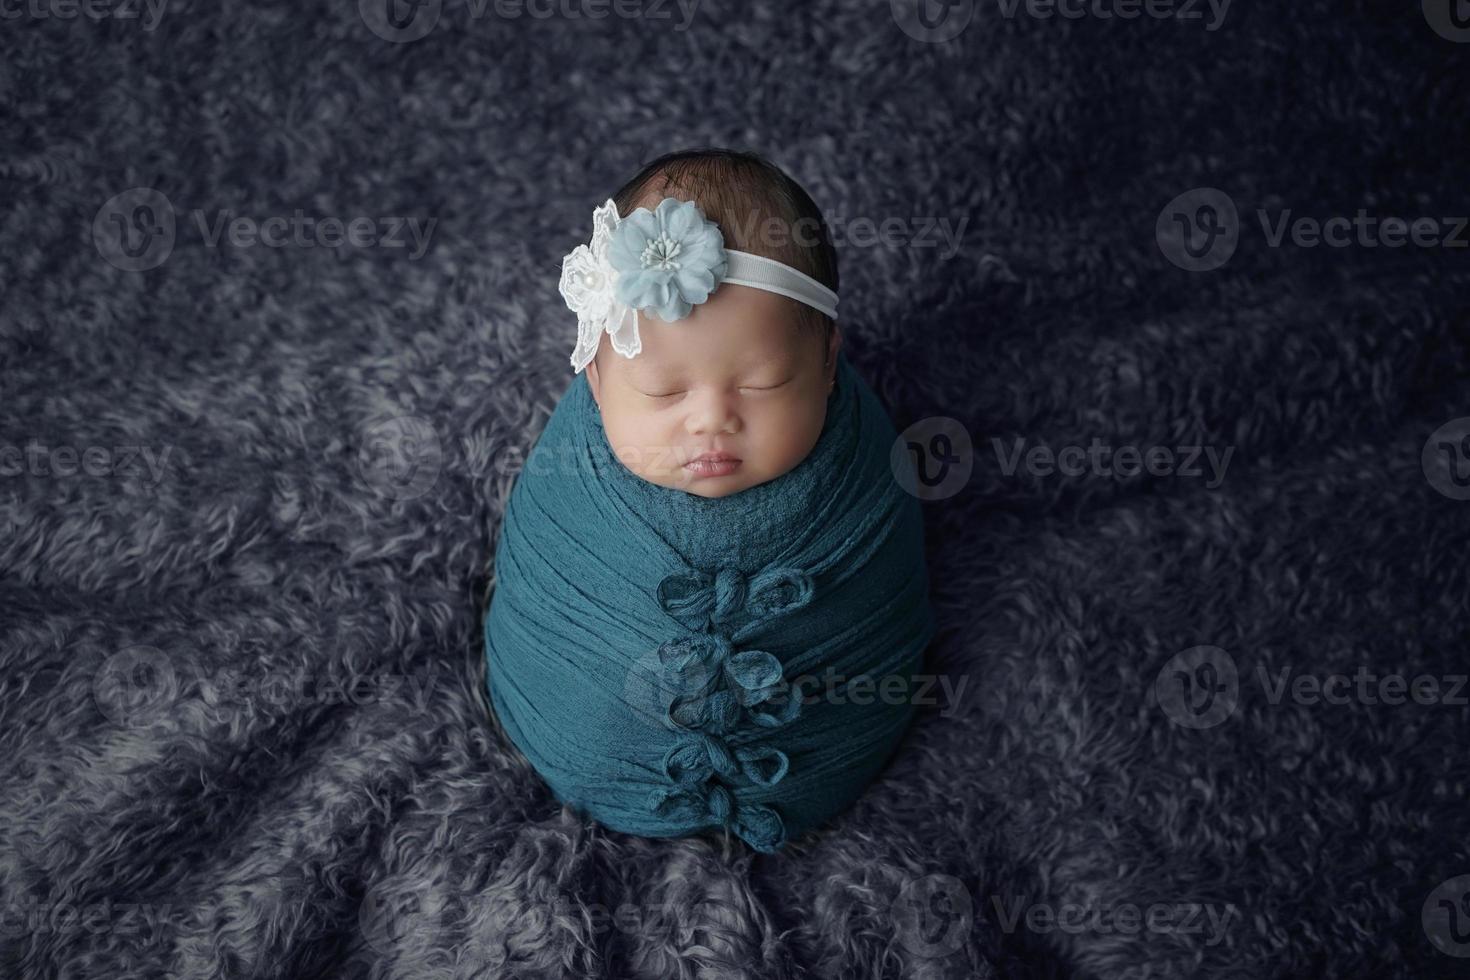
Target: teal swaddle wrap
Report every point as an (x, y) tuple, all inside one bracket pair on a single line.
[(671, 663)]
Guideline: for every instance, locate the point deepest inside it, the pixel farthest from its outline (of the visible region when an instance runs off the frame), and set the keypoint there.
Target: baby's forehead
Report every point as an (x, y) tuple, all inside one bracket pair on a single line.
[(692, 359)]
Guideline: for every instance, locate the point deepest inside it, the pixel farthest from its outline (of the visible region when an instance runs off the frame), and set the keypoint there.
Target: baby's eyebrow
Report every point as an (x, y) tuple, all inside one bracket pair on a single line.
[(647, 375), (775, 359), (644, 374)]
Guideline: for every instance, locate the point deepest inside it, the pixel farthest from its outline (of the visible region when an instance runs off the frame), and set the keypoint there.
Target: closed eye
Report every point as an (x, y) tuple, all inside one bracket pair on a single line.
[(675, 394)]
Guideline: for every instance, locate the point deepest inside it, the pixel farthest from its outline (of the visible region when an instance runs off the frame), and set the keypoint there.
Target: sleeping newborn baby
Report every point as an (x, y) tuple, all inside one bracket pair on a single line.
[(707, 572), (734, 392)]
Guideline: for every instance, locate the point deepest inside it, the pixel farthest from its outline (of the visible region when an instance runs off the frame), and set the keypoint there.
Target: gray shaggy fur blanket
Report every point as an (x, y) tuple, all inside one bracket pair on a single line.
[(253, 471)]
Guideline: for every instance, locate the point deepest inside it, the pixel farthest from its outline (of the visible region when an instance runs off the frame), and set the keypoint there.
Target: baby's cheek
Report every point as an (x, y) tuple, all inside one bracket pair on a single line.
[(623, 438), (644, 446), (790, 438)]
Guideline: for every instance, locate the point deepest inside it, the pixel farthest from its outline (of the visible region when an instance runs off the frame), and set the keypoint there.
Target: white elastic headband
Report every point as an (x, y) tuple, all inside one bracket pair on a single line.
[(746, 269), (667, 261)]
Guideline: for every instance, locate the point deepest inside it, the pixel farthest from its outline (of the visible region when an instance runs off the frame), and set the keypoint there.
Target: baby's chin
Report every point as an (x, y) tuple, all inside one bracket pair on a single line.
[(704, 489), (711, 487)]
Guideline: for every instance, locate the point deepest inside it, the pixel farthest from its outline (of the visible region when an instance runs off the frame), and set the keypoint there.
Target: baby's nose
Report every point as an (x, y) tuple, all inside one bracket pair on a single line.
[(711, 412)]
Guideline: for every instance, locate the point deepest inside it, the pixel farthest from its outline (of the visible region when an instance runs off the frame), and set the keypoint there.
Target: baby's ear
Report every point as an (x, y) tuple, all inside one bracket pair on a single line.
[(834, 344), (594, 382)]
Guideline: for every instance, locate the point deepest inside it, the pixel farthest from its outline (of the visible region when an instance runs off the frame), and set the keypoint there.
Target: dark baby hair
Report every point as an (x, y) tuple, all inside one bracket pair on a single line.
[(758, 207)]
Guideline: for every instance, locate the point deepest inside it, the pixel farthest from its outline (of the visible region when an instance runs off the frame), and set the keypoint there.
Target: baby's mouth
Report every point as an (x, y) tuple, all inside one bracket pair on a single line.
[(712, 464)]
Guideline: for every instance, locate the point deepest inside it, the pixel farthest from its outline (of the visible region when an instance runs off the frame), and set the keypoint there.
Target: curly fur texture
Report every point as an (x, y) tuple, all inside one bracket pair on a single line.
[(308, 783)]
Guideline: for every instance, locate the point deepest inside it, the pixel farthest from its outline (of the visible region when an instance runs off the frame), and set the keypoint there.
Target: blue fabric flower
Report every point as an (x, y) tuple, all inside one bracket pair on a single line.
[(668, 260)]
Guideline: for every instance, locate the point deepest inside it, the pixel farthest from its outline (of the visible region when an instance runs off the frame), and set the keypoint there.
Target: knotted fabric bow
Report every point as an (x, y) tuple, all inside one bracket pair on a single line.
[(720, 693), (698, 599)]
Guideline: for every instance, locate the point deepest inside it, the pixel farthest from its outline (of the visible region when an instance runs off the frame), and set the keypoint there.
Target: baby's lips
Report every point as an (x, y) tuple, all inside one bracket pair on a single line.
[(687, 457), (712, 467)]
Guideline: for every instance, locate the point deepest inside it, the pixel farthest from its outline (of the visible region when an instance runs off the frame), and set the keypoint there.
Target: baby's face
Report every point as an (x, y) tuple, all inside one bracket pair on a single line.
[(736, 377)]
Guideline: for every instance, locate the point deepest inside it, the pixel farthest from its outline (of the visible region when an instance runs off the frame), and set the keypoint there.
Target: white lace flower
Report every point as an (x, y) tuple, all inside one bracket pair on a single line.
[(588, 284)]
